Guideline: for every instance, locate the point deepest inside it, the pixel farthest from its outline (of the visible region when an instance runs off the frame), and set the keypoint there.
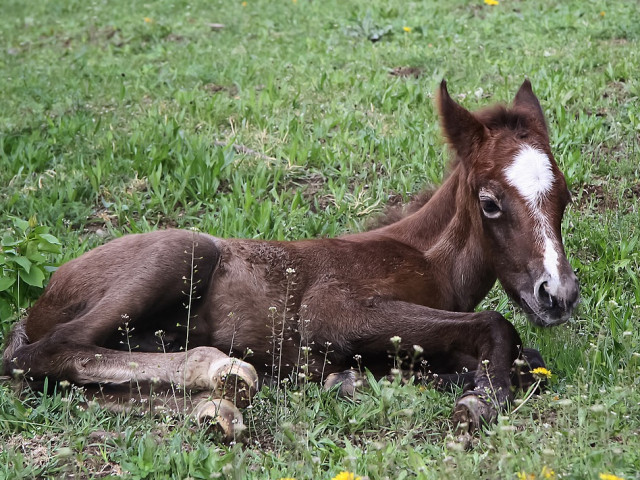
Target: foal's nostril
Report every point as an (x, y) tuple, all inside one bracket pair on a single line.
[(545, 297), (543, 290)]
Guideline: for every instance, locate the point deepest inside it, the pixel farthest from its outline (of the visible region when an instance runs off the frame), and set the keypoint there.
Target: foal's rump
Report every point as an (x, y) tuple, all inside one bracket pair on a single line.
[(121, 314), (119, 294)]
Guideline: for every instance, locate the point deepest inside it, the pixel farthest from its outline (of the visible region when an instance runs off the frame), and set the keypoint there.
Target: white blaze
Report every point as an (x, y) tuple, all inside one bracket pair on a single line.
[(531, 174)]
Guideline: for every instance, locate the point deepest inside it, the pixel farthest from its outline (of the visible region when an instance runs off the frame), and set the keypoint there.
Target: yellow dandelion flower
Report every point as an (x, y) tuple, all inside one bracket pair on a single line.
[(244, 4), (547, 473), (609, 476), (148, 20), (406, 29), (541, 372), (602, 13), (522, 475), (492, 2), (346, 476)]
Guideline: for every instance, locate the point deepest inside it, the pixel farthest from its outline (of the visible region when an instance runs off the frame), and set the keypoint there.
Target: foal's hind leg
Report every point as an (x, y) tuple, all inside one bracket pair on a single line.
[(346, 381), (201, 368), (205, 408), (227, 382), (89, 299)]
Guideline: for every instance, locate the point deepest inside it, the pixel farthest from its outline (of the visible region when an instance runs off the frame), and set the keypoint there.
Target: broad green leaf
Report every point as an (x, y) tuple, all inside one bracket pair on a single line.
[(24, 262), (20, 224), (36, 257), (49, 247), (6, 310), (6, 282), (35, 277), (9, 241), (34, 254), (50, 238)]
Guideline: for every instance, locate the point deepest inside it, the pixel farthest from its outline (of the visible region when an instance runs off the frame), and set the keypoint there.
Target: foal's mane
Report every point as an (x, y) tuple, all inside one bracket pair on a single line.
[(395, 212), (499, 117), (496, 117)]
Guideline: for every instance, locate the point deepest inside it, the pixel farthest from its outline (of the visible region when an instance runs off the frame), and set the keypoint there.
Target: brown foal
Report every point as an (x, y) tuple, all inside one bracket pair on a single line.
[(185, 300)]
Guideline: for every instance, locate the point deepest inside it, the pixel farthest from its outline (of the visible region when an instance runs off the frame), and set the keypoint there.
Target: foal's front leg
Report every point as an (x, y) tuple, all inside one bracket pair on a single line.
[(521, 376), (486, 336)]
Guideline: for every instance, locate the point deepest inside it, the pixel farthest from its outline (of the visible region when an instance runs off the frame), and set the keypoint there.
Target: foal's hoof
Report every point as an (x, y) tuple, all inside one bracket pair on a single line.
[(221, 415), (346, 381), (471, 412), (521, 375), (234, 380)]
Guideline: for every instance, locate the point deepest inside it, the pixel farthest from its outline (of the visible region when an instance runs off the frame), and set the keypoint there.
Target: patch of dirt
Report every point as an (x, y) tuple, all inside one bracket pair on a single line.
[(617, 92), (174, 37), (406, 72), (600, 199), (313, 184), (100, 221), (395, 199), (164, 222), (616, 41), (594, 196), (615, 89), (607, 153), (213, 88), (137, 185), (475, 10), (105, 35)]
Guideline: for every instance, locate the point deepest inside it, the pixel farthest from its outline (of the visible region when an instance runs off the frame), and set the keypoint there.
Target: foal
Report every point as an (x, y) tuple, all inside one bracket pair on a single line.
[(496, 216)]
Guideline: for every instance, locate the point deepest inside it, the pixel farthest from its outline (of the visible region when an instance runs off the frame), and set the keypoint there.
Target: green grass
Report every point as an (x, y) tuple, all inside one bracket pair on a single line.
[(111, 124)]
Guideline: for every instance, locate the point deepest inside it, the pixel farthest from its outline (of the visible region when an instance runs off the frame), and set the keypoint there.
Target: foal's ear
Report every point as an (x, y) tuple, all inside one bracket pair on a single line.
[(463, 131), (526, 99)]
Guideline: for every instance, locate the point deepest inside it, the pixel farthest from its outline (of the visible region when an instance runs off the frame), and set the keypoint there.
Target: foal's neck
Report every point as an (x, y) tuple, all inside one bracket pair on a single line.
[(448, 230)]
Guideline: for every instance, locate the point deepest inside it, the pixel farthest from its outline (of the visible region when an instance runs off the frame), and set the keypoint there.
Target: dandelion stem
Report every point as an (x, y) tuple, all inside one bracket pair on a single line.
[(532, 390)]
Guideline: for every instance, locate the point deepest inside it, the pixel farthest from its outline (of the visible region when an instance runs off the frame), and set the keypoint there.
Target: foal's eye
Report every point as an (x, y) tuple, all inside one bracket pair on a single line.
[(490, 207)]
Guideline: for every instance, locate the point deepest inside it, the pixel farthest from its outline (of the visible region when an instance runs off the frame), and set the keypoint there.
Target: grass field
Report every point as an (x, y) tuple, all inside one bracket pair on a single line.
[(122, 116)]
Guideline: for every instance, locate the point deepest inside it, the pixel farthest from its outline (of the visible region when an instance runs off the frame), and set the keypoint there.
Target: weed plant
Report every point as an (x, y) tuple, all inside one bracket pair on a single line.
[(296, 119)]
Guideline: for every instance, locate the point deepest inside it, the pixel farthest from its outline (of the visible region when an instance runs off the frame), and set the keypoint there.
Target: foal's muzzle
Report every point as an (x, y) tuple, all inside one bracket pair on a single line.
[(553, 299)]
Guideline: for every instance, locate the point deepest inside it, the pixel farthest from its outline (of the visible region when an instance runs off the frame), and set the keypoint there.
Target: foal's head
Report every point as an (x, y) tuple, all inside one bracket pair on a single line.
[(517, 190)]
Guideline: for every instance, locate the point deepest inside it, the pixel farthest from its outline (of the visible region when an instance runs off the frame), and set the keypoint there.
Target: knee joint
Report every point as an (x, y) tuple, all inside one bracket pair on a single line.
[(502, 332)]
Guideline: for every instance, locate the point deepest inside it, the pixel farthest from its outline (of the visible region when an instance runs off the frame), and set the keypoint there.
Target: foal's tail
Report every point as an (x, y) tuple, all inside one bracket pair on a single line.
[(17, 338)]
